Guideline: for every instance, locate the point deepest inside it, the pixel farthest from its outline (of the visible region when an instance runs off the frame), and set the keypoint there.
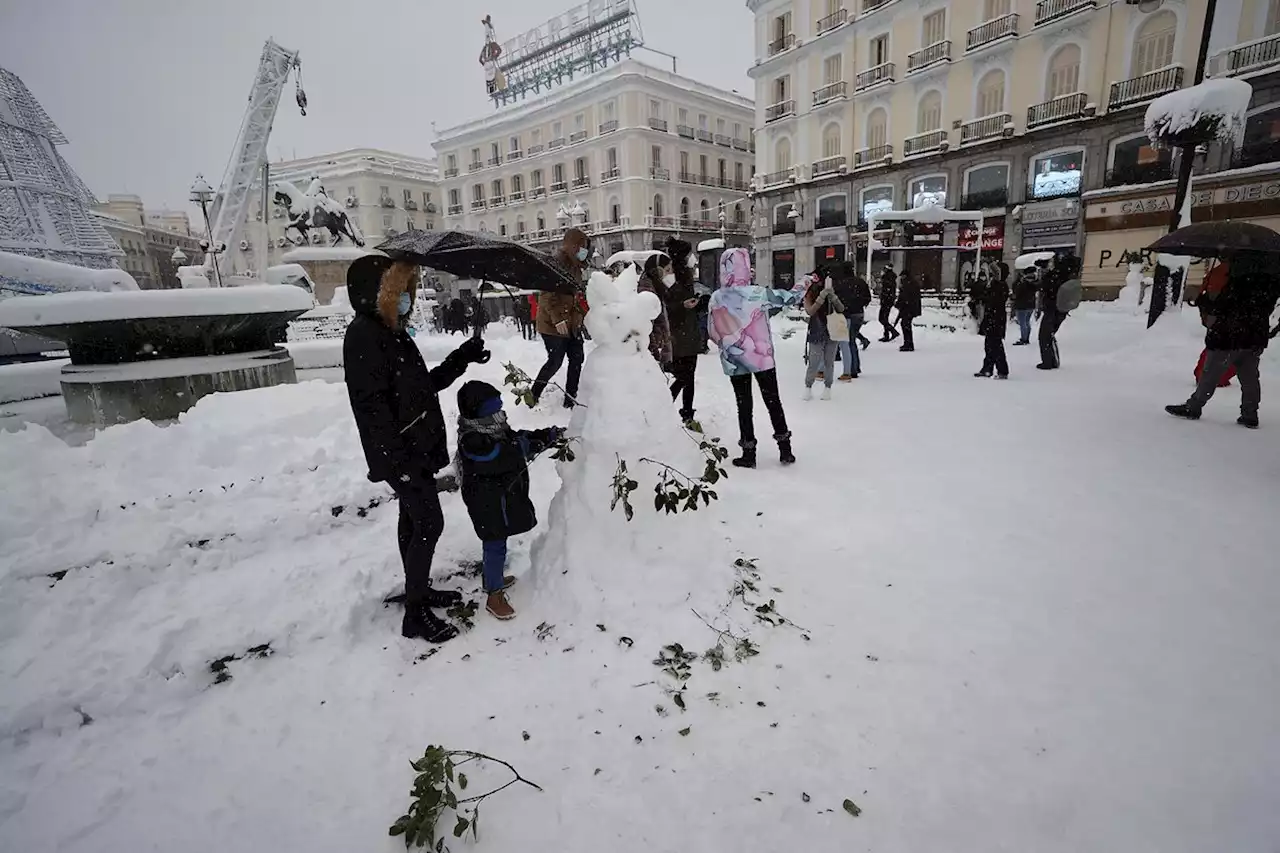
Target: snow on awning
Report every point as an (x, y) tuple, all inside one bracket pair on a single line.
[(930, 214), (1219, 106), (1030, 259)]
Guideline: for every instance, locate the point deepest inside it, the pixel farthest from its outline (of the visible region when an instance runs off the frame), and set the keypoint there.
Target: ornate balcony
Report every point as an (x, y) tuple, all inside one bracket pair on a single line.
[(475, 167), (577, 136), (740, 144), (1147, 87), (830, 92), (536, 149), (868, 158), (1246, 57), (774, 179), (830, 22), (512, 156), (780, 110), (924, 143), (684, 131), (609, 126), (558, 187), (928, 56), (988, 127), (451, 173), (1066, 108), (455, 209), (658, 124), (785, 43), (477, 204), (609, 175), (992, 31), (705, 136), (1048, 11), (723, 140), (558, 142), (659, 174), (883, 73), (581, 182), (829, 165)]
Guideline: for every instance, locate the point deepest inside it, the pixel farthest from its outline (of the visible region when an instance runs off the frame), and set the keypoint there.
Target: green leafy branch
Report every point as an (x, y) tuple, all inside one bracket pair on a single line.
[(623, 486), (433, 793), (521, 385)]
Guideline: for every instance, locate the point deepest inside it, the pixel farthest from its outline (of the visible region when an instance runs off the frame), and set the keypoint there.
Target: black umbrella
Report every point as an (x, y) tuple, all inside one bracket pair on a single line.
[(482, 257), (1218, 240)]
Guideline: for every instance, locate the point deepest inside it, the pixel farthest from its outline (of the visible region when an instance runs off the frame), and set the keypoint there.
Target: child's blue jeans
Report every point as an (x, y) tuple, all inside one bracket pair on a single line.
[(495, 561)]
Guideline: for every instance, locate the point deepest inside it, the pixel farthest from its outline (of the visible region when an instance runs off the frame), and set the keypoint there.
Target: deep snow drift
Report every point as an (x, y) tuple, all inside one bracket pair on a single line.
[(1040, 616)]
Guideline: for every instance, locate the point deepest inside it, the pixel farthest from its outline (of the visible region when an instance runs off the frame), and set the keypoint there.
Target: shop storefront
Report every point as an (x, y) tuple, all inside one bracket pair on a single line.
[(1119, 226), (967, 240), (784, 267), (1051, 226)]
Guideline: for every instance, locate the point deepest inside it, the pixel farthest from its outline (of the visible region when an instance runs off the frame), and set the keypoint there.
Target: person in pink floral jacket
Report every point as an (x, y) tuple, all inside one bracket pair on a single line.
[(739, 326)]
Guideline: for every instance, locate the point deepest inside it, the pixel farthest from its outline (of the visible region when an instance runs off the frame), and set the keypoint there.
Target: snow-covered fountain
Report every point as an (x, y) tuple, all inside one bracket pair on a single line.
[(154, 353)]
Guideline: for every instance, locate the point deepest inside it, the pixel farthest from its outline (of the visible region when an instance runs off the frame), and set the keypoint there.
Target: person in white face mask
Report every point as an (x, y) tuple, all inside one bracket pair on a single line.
[(658, 278)]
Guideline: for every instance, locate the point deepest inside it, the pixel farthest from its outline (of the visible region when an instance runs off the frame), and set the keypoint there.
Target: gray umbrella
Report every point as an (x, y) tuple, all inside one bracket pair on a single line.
[(1218, 240)]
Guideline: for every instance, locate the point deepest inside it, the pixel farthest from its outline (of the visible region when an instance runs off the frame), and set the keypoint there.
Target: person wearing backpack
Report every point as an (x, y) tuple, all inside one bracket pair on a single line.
[(1060, 294)]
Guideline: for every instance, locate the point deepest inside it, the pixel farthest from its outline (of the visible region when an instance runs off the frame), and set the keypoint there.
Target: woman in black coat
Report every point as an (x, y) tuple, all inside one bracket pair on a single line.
[(909, 307), (686, 330), (993, 323)]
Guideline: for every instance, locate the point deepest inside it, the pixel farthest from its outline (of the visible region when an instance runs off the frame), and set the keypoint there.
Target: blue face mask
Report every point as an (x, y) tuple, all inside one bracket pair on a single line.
[(406, 304), (582, 254)]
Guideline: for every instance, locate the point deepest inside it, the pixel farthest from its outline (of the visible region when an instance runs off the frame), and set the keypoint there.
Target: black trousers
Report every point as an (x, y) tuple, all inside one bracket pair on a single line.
[(557, 349), (683, 370), (1050, 322), (889, 331), (995, 356), (768, 382), (421, 523), (908, 334)]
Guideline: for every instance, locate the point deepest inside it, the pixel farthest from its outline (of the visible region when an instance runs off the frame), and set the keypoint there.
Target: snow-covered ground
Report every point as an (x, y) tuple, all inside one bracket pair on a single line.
[(1035, 615)]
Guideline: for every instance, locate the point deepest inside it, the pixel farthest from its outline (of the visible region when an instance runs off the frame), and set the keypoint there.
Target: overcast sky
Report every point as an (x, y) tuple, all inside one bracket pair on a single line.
[(150, 92)]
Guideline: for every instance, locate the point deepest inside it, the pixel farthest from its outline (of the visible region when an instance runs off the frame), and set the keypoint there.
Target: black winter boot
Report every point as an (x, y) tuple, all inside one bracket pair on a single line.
[(421, 622), (1183, 411), (748, 457), (785, 456), (1248, 421), (441, 597)]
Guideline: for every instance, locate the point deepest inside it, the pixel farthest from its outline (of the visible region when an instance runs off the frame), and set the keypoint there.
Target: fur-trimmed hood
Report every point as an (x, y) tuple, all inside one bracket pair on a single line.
[(374, 285)]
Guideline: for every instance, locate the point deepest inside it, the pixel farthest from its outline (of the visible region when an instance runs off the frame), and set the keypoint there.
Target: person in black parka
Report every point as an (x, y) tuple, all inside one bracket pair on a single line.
[(493, 470), (888, 296), (1024, 304), (993, 323), (909, 308), (687, 335), (401, 427)]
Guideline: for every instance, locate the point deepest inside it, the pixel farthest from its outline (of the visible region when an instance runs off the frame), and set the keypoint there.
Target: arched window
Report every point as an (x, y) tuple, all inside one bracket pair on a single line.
[(658, 206), (739, 215), (929, 113), (684, 208), (520, 229), (986, 186), (705, 211), (1056, 174), (1064, 72), (929, 191), (782, 156), (831, 141), (615, 211), (878, 128), (1153, 45), (877, 199), (502, 228), (832, 211), (991, 93), (542, 221)]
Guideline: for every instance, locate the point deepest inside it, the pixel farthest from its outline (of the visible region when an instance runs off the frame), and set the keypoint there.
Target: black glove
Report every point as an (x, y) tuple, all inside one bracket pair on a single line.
[(473, 351)]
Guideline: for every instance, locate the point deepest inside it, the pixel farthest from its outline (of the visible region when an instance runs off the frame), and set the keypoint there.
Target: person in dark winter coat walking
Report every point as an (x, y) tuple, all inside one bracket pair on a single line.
[(688, 337), (909, 308), (854, 293), (993, 324), (493, 472), (401, 427), (1239, 320), (559, 319), (1024, 305), (1051, 317), (888, 296)]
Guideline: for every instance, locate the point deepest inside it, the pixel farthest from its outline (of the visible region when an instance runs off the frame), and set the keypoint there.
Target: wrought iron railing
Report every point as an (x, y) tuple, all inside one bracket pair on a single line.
[(1065, 108), (987, 127), (923, 143), (1002, 27), (1048, 11), (780, 110), (1137, 90), (828, 165), (830, 92), (874, 156), (931, 55), (882, 73)]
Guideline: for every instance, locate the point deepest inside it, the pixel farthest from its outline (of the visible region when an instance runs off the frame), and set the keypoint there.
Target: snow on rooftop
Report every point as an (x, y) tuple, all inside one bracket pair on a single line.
[(60, 309), (1225, 99)]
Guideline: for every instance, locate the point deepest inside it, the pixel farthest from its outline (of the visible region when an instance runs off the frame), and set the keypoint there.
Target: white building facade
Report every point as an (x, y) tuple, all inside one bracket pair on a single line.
[(383, 193), (632, 154)]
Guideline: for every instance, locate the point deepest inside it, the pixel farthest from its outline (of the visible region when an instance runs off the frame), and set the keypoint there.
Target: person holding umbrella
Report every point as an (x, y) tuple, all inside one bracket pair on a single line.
[(1238, 319), (398, 417), (560, 317)]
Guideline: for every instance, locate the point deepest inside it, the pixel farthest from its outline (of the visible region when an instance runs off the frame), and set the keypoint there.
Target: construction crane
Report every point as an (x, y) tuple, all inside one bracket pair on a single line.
[(230, 208)]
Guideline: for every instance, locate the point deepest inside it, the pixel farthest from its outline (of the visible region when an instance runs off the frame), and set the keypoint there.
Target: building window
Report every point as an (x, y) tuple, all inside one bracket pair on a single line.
[(702, 166), (535, 136), (475, 156), (833, 211), (615, 213), (1064, 72), (557, 130), (495, 153), (781, 26), (580, 122), (737, 126), (384, 192), (782, 89), (722, 171), (1153, 46), (387, 221), (411, 223), (684, 163), (454, 199), (831, 141), (929, 113), (502, 228), (542, 222), (878, 128), (739, 215), (655, 109), (535, 179), (995, 9), (497, 188), (991, 93), (408, 197), (1136, 161), (514, 142), (934, 29), (426, 198), (929, 191), (580, 168), (477, 193), (987, 186), (517, 184), (657, 205), (720, 126), (878, 50), (704, 212), (832, 70), (557, 173), (782, 155), (611, 159), (451, 162), (738, 174), (683, 116), (1057, 174), (608, 111), (655, 154), (684, 208), (876, 200), (1273, 18)]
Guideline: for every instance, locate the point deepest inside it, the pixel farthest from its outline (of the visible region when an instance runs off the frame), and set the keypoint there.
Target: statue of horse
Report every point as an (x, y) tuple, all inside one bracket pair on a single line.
[(314, 209)]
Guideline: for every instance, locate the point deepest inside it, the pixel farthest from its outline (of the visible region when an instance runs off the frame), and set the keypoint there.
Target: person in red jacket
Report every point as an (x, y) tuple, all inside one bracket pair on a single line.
[(1214, 281)]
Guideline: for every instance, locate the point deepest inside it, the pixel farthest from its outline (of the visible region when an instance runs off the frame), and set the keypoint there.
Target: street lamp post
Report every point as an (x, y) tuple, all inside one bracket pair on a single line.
[(202, 194), (1160, 290)]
